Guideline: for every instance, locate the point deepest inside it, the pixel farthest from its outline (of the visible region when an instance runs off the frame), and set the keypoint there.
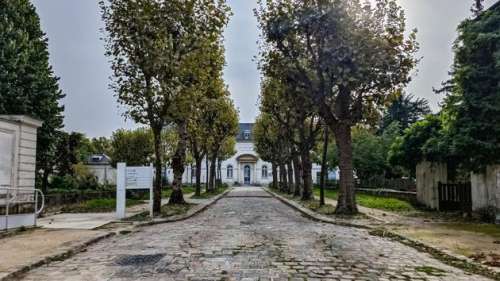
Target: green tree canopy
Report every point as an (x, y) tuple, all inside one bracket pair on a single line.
[(472, 106), (134, 147), (405, 110), (349, 56), (27, 83), (424, 140)]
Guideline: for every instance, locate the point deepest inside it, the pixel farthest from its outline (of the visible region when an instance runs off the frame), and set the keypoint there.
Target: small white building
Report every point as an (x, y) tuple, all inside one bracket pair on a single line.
[(244, 168), (18, 196), (100, 166)]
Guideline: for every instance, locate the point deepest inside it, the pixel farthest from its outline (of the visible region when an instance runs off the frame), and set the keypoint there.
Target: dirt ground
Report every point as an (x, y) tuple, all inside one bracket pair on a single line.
[(33, 244), (478, 241)]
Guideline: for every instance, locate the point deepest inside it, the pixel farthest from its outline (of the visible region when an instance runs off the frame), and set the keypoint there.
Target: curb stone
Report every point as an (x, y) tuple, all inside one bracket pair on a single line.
[(18, 273), (446, 257), (195, 211), (15, 275), (313, 215)]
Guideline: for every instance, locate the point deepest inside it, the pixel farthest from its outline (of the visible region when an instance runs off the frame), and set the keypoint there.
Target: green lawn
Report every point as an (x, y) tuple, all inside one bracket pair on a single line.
[(375, 202), (98, 206)]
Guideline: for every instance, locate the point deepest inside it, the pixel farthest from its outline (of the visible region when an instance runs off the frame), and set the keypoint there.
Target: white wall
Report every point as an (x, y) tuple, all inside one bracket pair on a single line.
[(486, 188), (18, 151), (429, 174), (105, 174)]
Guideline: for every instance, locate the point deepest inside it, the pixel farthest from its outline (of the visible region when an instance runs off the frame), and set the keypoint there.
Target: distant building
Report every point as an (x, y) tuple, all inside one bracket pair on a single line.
[(245, 167), (100, 166)]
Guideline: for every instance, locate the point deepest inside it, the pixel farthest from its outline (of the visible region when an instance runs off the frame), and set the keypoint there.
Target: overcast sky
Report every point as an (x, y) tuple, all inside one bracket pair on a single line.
[(77, 56)]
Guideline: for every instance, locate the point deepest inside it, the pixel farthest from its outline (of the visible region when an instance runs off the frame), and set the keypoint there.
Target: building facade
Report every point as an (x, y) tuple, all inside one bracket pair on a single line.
[(243, 168), (100, 166)]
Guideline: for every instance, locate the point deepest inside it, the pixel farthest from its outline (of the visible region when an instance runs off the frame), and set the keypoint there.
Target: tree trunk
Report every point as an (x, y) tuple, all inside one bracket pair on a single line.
[(298, 175), (275, 176), (324, 170), (347, 198), (45, 180), (213, 163), (283, 177), (158, 164), (306, 176), (290, 177), (207, 174), (219, 171), (178, 166), (198, 176)]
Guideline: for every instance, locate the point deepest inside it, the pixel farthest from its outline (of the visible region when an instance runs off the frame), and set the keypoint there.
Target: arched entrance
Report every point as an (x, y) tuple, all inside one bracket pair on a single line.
[(246, 169), (247, 174)]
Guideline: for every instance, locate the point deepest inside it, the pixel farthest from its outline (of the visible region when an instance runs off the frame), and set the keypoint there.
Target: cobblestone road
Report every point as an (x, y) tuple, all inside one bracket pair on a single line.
[(249, 236)]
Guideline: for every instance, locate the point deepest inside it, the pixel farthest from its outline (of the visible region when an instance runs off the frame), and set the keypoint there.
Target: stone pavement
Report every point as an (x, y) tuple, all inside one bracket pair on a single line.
[(249, 235)]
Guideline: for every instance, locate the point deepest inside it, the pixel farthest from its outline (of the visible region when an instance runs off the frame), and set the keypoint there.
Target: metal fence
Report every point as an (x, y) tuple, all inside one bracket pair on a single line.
[(455, 197), (384, 183)]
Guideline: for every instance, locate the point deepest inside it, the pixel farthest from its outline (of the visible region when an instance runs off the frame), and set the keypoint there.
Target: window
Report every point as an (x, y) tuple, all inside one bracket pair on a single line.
[(96, 158), (229, 172), (264, 172), (246, 134)]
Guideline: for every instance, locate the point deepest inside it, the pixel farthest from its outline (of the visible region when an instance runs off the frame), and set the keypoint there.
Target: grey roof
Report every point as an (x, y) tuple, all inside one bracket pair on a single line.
[(245, 133), (99, 159)]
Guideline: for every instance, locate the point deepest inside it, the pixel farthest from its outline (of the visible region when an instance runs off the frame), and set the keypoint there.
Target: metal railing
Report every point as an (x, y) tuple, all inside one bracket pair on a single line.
[(14, 197)]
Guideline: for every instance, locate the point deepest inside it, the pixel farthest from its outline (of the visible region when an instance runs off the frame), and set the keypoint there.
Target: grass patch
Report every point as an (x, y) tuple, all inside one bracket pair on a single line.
[(175, 209), (186, 189), (374, 202), (98, 206), (210, 194), (326, 209), (486, 229), (429, 270)]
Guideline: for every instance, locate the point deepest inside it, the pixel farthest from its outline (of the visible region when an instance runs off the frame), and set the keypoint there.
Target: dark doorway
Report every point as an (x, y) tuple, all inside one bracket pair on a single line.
[(247, 174)]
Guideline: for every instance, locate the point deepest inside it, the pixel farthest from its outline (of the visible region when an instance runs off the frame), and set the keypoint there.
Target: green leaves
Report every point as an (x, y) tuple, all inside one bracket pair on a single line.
[(27, 83), (472, 105)]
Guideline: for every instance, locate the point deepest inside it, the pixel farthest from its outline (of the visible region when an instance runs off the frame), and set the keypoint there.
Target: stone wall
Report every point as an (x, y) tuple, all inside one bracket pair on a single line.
[(429, 174), (486, 188)]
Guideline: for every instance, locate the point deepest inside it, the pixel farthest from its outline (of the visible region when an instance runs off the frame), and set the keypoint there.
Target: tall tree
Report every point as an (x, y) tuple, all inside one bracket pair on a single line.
[(27, 83), (477, 7), (134, 147), (471, 112), (224, 128), (348, 55), (406, 110), (152, 44), (267, 142)]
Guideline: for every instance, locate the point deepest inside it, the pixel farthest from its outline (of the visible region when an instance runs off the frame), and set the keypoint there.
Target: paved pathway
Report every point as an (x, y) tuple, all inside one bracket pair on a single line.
[(249, 236)]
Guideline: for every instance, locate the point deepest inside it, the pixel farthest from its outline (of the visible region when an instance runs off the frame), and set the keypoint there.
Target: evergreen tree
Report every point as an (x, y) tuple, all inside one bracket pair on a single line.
[(472, 107), (27, 83), (405, 110)]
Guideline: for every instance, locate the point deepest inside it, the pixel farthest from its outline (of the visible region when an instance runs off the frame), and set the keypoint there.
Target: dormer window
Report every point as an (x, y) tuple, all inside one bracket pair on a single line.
[(96, 158), (246, 134)]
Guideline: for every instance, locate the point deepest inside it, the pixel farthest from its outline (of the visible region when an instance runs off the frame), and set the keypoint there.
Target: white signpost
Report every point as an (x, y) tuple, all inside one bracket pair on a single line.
[(132, 178)]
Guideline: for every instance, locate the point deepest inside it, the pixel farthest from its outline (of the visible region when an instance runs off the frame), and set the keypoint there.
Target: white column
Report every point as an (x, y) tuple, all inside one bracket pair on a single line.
[(254, 173), (120, 190), (238, 172)]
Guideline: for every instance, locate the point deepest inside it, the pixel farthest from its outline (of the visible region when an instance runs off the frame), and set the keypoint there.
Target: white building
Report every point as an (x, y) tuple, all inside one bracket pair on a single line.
[(100, 166), (245, 167)]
